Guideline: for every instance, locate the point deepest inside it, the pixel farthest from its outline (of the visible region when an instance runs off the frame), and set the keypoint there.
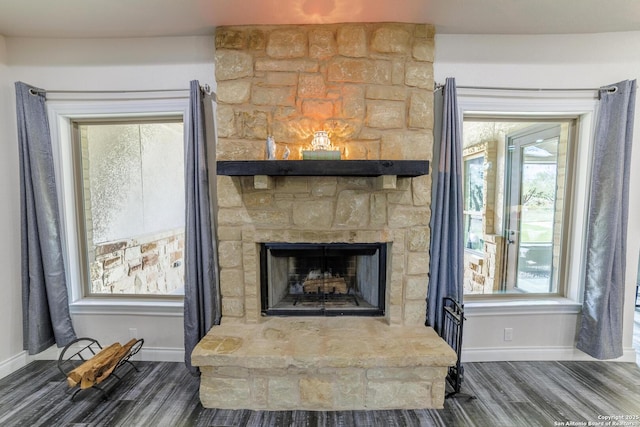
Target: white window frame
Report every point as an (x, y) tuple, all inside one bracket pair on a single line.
[(580, 104), (62, 111), (483, 211)]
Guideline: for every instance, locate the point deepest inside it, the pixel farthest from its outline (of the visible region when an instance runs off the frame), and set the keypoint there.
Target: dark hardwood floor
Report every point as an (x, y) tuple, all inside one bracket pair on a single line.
[(163, 394)]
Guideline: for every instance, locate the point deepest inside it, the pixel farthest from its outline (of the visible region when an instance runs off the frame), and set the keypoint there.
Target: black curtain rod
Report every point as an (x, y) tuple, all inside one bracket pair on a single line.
[(205, 88), (610, 89)]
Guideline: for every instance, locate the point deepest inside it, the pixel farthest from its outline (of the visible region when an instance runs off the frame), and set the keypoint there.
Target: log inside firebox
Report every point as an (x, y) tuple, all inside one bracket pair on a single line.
[(327, 285)]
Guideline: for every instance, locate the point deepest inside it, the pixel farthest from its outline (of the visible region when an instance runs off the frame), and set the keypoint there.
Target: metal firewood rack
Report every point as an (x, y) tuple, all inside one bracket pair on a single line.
[(81, 350), (451, 331)]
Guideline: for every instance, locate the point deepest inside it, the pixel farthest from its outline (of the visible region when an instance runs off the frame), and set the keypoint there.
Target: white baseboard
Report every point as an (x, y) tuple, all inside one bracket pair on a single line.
[(12, 364), (148, 354), (513, 354), (159, 354)]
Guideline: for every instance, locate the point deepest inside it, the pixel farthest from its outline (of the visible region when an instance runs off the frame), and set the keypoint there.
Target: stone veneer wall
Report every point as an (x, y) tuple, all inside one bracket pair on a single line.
[(370, 86), (145, 265)]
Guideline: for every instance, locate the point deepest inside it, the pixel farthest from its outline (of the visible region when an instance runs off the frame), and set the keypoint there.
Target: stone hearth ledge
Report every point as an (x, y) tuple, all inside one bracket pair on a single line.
[(322, 363)]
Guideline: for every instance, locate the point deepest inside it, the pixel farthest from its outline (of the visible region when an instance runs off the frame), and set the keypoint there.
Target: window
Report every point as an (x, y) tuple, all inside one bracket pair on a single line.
[(131, 194), (474, 203), (119, 172), (517, 183)]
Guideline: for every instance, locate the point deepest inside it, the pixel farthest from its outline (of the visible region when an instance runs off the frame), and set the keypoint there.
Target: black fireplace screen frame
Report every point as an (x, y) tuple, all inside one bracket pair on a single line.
[(322, 249)]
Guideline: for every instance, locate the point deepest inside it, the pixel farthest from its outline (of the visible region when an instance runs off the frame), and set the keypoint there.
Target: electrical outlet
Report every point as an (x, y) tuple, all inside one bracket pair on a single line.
[(508, 334), (133, 332)]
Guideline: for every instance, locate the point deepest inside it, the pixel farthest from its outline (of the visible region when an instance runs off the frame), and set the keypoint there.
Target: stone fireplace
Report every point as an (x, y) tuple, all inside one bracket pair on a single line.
[(369, 86)]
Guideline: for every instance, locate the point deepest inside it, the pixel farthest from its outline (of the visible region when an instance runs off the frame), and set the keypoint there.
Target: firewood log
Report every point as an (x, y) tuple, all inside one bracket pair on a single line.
[(100, 366)]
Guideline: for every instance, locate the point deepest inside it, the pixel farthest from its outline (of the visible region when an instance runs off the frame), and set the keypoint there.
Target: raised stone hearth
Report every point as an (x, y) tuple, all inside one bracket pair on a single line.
[(322, 363)]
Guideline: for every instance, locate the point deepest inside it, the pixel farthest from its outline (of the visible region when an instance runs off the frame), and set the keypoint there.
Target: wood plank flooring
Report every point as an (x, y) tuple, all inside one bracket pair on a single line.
[(510, 394)]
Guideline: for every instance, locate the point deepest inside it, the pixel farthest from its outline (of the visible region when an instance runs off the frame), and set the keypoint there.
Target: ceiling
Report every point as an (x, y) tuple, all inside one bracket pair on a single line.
[(146, 18)]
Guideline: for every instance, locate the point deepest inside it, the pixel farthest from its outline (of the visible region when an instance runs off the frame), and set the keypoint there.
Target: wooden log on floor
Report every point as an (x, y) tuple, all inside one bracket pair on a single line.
[(99, 367)]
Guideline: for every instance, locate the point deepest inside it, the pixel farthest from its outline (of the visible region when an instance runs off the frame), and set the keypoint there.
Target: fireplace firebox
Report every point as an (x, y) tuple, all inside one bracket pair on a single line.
[(333, 279)]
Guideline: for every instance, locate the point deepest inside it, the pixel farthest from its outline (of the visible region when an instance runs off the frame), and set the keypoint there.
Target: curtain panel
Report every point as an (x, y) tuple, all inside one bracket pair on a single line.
[(600, 333), (202, 294), (446, 249), (45, 303)]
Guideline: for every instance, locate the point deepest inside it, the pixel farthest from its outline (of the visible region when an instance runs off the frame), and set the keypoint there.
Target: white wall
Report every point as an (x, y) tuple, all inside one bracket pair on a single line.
[(10, 303), (86, 64), (560, 61)]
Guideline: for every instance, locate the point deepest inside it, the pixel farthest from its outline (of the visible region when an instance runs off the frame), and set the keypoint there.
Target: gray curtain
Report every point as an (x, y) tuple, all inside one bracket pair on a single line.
[(45, 303), (201, 298), (446, 250), (600, 333)]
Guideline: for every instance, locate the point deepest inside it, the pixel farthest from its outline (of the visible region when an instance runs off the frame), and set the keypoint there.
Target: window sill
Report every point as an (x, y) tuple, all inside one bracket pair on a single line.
[(127, 307), (508, 307)]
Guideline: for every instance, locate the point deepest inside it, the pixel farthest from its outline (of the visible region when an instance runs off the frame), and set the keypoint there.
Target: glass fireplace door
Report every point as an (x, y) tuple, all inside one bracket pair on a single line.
[(323, 279)]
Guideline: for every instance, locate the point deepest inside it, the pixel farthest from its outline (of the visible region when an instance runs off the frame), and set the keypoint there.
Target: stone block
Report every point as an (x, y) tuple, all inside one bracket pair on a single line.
[(391, 39), (258, 200), (378, 209), (292, 184), (263, 182), (398, 394), (362, 150), (314, 214), (115, 274), (270, 96), (283, 392), (417, 263), (316, 393), (324, 186), (421, 189), (359, 70), (301, 65), (281, 79), (397, 72), (226, 124), (132, 253), (224, 393), (421, 110), (311, 86), (416, 287), (352, 209), (229, 194), (386, 182), (149, 261), (112, 261), (322, 44), (352, 41), (229, 38), (108, 248), (318, 109), (233, 307), (269, 217), (415, 312), (419, 74), (232, 64), (353, 104), (257, 40), (423, 50), (388, 93), (419, 238), (287, 43), (231, 282), (401, 216), (385, 114), (407, 146), (230, 254), (234, 91)]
